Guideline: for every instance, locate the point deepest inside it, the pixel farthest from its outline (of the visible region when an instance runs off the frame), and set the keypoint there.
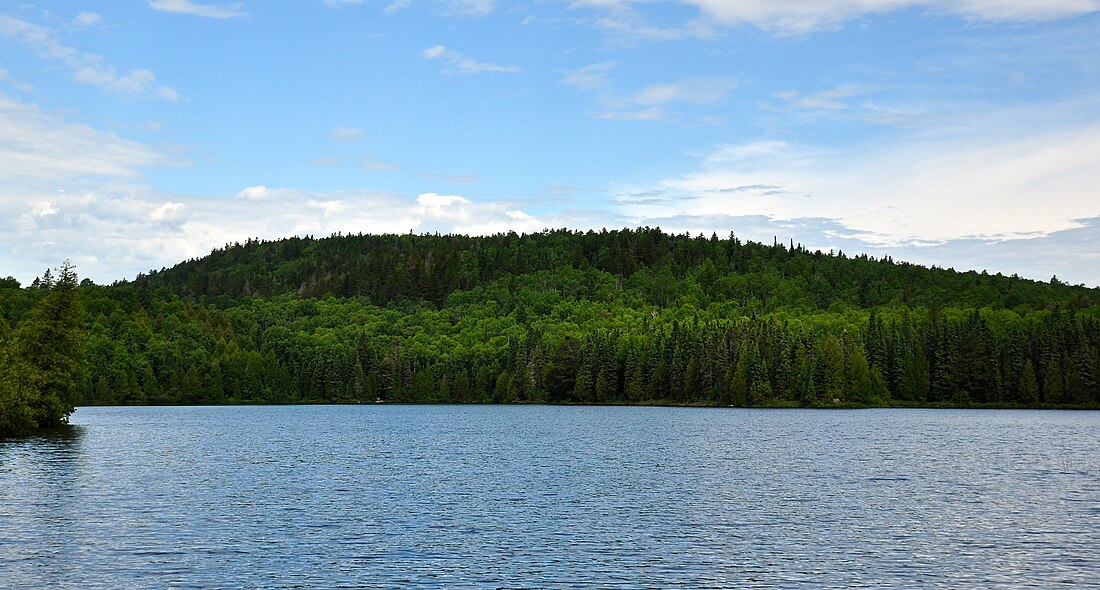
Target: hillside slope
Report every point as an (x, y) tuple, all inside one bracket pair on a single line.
[(633, 316), (663, 267)]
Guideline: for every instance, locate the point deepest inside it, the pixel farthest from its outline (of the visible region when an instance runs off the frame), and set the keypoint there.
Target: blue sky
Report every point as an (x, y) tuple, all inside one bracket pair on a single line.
[(138, 133)]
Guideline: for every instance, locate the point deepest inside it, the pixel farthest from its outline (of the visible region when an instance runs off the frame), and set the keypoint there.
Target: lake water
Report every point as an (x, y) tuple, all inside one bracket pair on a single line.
[(552, 497)]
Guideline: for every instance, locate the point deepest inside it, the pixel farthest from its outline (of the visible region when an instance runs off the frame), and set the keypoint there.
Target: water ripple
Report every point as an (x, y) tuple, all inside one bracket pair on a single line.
[(552, 497)]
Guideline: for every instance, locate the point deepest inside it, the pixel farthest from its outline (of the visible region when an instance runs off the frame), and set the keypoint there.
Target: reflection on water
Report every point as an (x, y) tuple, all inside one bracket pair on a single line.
[(47, 453), (41, 477), (453, 496)]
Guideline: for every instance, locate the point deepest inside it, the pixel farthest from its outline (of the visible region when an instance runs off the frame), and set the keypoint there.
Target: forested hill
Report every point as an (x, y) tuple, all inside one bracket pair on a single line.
[(660, 267), (633, 316)]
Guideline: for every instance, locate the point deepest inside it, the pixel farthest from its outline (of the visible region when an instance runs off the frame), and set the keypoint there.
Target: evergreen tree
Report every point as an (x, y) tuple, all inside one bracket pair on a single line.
[(1029, 386), (830, 377), (16, 395), (914, 380), (1054, 388), (860, 386), (804, 391), (740, 381), (50, 346)]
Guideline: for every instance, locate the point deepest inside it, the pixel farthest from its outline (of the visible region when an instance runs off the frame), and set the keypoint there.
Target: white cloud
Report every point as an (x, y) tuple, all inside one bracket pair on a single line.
[(1071, 254), (86, 20), (38, 146), (457, 214), (800, 16), (698, 90), (115, 231), (41, 40), (52, 186), (43, 209), (395, 6), (650, 103), (6, 76), (377, 166), (87, 68), (255, 193), (169, 211), (472, 7), (998, 178), (475, 7), (620, 18), (463, 64), (137, 83), (832, 99), (437, 205), (220, 11), (328, 209), (347, 134), (590, 77), (804, 16), (461, 8), (94, 76), (70, 191), (618, 5), (439, 51)]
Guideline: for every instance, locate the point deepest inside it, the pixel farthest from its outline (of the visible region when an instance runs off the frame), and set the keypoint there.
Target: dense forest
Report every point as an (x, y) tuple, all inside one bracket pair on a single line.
[(631, 316)]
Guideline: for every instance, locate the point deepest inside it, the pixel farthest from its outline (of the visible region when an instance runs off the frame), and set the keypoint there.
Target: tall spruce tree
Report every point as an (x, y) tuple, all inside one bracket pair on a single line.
[(49, 349)]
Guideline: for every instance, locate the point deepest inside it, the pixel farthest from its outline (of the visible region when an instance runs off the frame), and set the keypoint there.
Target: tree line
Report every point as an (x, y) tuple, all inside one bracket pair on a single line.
[(635, 316), (385, 269), (340, 351)]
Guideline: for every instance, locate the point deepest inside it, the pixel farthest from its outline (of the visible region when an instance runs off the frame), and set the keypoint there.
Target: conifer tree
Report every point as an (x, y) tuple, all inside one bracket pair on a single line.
[(1029, 386), (50, 348)]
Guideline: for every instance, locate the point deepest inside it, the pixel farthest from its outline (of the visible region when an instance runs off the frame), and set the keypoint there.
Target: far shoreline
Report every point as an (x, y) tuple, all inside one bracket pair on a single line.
[(842, 406)]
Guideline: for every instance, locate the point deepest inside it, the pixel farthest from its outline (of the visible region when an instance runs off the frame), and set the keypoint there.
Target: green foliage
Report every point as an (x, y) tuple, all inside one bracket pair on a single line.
[(656, 268), (42, 360), (16, 397), (636, 316)]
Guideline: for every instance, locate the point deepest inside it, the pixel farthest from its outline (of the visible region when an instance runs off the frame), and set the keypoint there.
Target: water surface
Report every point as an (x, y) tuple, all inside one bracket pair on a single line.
[(513, 496)]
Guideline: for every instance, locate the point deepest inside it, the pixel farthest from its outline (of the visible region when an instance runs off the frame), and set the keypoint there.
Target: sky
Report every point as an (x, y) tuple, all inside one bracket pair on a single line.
[(964, 134)]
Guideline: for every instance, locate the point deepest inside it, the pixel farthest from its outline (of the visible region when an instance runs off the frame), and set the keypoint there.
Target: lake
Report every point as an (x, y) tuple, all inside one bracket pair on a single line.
[(552, 497)]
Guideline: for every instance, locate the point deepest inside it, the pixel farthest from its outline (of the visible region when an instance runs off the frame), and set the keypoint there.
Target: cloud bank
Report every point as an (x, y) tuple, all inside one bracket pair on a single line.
[(797, 17)]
